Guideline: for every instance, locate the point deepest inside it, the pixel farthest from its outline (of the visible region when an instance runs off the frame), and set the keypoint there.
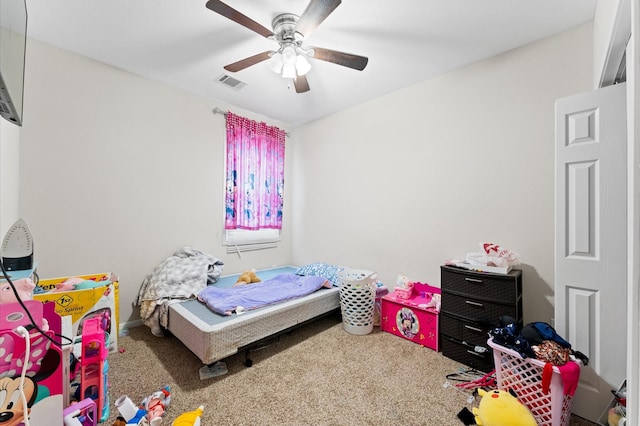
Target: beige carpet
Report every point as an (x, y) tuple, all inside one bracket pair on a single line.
[(317, 375)]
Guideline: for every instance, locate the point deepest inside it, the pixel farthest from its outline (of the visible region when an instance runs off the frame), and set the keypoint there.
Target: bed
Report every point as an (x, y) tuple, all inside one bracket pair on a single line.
[(212, 337)]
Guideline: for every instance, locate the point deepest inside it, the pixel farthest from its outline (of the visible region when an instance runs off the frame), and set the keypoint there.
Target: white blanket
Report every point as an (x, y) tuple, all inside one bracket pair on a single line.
[(177, 278)]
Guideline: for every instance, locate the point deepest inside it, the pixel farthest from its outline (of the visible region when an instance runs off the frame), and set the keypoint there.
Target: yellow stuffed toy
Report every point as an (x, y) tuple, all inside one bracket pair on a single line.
[(500, 408), (190, 418), (247, 277)]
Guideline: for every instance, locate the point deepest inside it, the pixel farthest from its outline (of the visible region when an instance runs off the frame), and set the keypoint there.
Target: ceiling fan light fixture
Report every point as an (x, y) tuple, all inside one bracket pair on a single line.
[(289, 55), (290, 31), (289, 71), (302, 65), (289, 63), (275, 63)]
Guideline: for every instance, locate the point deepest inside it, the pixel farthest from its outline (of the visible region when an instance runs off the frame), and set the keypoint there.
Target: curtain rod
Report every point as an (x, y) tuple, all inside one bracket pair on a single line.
[(217, 110)]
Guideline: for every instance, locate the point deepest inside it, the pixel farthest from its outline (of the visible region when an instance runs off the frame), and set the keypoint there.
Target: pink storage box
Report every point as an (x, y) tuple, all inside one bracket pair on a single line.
[(412, 318), (45, 368)]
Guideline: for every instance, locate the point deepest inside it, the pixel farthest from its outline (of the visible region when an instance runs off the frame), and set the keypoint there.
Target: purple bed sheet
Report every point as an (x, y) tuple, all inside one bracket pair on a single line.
[(282, 287)]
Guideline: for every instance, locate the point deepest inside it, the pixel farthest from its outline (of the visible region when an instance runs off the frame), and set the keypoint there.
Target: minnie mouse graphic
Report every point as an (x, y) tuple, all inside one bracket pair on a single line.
[(407, 323), (39, 361), (12, 408)]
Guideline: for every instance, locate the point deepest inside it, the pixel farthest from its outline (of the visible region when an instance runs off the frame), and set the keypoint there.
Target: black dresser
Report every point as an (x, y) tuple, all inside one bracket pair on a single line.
[(472, 303)]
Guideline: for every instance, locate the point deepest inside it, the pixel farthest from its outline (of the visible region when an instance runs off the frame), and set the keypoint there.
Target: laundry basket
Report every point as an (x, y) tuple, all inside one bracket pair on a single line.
[(524, 377), (357, 300)]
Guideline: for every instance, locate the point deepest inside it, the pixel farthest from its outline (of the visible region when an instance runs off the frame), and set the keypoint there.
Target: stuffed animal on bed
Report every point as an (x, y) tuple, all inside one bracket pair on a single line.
[(247, 277)]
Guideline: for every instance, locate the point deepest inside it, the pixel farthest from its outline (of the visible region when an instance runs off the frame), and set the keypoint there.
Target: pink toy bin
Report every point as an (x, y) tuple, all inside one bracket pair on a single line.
[(413, 318)]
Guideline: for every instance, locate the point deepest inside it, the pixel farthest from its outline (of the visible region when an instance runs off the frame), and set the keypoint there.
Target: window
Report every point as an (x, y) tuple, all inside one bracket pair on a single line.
[(254, 176)]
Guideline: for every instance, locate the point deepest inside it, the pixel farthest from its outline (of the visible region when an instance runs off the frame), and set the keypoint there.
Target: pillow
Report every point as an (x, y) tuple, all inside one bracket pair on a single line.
[(325, 270)]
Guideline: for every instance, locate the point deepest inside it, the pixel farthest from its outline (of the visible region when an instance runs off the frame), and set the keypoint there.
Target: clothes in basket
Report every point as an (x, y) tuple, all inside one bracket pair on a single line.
[(549, 402)]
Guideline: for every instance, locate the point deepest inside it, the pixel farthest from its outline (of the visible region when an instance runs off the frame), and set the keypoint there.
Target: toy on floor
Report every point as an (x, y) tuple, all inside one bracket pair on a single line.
[(94, 366), (500, 408), (149, 412), (157, 403), (247, 277), (616, 416), (82, 413), (190, 418)]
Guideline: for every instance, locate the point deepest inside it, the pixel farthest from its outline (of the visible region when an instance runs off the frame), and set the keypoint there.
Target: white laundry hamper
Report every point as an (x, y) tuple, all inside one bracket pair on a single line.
[(357, 300)]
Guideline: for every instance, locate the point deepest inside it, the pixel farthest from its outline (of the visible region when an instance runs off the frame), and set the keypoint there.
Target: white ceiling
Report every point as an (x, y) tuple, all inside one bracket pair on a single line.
[(184, 44)]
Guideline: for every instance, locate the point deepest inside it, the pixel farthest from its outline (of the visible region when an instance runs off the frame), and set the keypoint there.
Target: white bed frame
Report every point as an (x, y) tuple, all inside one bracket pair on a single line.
[(212, 337)]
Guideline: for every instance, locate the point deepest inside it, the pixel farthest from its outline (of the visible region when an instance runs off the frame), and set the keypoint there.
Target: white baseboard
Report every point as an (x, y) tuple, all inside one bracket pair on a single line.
[(129, 324)]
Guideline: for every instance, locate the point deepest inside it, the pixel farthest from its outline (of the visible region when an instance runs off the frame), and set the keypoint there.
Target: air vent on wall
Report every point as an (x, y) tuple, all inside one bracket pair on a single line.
[(231, 82)]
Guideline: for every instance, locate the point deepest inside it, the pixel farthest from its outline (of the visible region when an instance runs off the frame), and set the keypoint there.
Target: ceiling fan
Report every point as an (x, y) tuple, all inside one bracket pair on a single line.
[(289, 31)]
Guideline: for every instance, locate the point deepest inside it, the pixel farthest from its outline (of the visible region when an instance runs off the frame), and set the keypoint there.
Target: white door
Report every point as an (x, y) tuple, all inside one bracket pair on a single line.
[(591, 240)]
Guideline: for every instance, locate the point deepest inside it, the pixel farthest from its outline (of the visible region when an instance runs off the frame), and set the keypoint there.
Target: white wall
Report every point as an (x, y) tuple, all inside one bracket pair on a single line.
[(9, 174), (403, 182), (118, 172)]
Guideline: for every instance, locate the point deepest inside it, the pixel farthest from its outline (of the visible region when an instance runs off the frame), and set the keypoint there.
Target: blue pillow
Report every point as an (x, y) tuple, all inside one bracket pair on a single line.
[(326, 270)]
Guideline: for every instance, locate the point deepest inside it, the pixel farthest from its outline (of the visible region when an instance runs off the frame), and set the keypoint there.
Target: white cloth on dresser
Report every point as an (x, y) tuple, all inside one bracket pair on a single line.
[(177, 278)]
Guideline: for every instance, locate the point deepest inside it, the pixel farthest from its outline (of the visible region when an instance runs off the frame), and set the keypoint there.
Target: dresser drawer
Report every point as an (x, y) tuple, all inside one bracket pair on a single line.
[(495, 287), (467, 354), (475, 310), (466, 331)]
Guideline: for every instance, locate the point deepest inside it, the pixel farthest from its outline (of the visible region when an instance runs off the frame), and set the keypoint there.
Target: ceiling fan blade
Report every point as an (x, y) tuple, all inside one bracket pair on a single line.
[(316, 12), (229, 12), (247, 62), (301, 84), (345, 59)]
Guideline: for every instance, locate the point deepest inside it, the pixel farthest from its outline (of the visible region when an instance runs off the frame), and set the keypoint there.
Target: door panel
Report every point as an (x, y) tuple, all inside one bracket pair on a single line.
[(591, 233)]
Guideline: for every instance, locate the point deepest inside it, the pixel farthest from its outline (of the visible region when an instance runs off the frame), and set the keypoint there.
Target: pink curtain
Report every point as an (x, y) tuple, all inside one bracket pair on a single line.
[(255, 174)]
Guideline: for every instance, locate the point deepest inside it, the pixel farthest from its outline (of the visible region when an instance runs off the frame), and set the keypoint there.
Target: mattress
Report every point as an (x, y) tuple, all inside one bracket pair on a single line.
[(212, 337)]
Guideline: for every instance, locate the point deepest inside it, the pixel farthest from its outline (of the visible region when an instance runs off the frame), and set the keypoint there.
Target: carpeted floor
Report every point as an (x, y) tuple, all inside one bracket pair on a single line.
[(317, 375)]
